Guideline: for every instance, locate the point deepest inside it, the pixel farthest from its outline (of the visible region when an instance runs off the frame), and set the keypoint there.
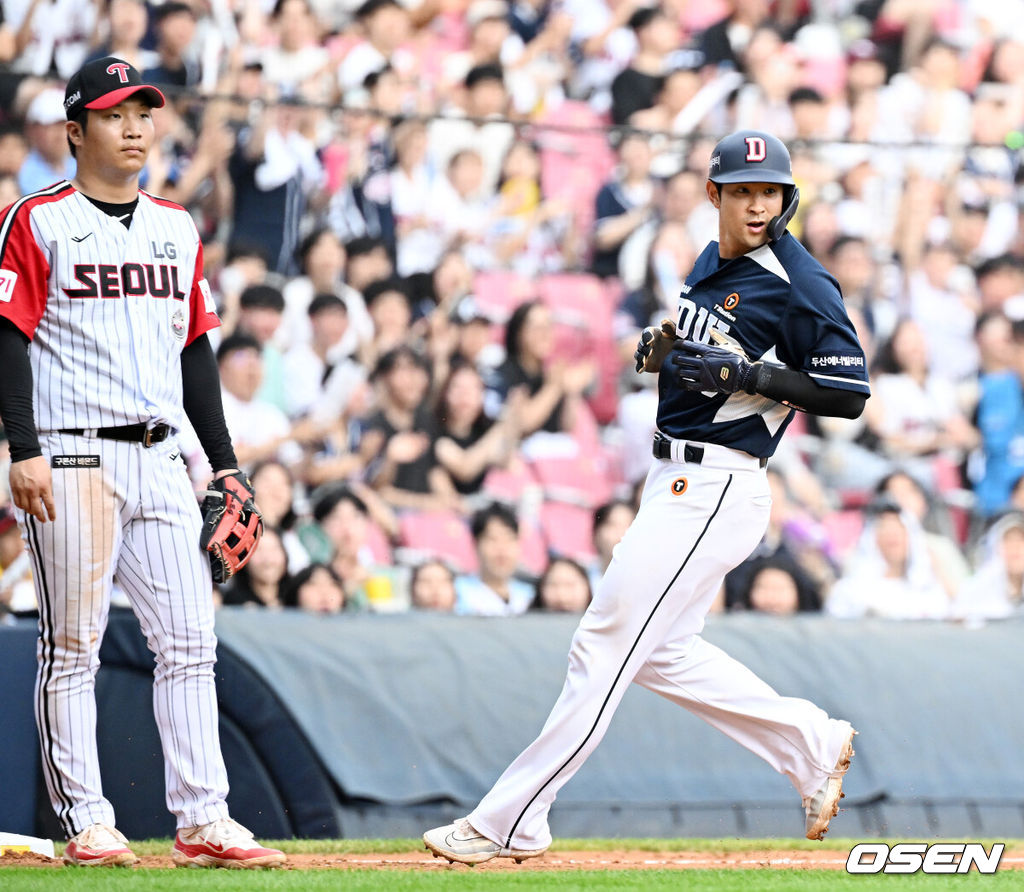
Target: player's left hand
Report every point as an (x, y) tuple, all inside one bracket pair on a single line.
[(712, 369), (232, 524), (32, 488)]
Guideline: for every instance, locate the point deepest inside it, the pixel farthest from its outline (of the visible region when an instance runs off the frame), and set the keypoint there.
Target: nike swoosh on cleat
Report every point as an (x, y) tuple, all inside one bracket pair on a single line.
[(80, 238)]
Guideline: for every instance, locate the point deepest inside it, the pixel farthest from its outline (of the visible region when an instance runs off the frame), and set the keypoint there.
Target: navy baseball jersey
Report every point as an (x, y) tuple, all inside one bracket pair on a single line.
[(781, 305)]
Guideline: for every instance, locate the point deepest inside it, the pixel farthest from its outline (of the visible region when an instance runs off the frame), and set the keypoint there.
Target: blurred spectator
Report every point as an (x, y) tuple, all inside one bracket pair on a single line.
[(262, 580), (368, 261), (385, 27), (311, 367), (773, 72), (343, 526), (478, 125), (50, 37), (49, 159), (125, 25), (298, 62), (17, 592), (469, 443), (1000, 283), (390, 309), (933, 517), (637, 85), (9, 191), (996, 589), (563, 587), (274, 485), (461, 208), (624, 202), (414, 185), (942, 302), (913, 407), (1000, 420), (611, 520), (13, 150), (553, 389), (276, 173), (778, 588), (726, 41), (398, 439), (528, 232), (316, 589), (260, 310), (433, 586), (322, 262), (494, 590), (175, 25), (890, 573), (258, 429)]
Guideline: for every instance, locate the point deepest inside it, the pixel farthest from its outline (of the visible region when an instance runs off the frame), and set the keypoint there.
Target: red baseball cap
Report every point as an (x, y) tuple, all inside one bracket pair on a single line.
[(103, 83)]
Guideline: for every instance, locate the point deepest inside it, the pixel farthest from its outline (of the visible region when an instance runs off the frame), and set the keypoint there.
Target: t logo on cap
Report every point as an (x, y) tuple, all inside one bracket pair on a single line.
[(120, 69)]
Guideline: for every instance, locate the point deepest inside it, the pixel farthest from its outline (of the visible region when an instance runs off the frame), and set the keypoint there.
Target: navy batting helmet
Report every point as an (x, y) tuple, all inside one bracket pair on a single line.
[(752, 156)]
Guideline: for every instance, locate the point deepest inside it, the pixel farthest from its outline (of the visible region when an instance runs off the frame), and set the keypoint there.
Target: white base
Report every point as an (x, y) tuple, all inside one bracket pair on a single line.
[(17, 843)]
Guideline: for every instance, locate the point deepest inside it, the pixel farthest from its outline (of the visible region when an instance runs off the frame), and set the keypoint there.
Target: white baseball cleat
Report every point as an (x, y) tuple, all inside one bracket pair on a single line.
[(823, 806), (223, 843), (99, 845), (460, 842)]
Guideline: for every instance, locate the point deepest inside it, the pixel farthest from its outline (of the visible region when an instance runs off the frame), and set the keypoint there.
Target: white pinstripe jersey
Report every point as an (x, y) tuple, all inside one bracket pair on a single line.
[(108, 309)]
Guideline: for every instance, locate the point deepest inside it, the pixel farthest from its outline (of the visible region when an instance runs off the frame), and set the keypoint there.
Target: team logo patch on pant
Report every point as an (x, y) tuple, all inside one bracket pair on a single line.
[(75, 461), (679, 486)]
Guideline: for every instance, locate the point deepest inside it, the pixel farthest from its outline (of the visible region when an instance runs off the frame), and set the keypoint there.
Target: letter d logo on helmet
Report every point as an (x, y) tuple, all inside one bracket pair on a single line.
[(751, 156)]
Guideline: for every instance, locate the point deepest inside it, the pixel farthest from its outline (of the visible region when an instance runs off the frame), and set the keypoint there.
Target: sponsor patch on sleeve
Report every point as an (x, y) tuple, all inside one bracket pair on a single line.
[(837, 361), (204, 289), (8, 279)]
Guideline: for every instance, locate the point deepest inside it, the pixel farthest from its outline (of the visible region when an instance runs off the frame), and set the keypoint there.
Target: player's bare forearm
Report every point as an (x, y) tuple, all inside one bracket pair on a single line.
[(32, 488)]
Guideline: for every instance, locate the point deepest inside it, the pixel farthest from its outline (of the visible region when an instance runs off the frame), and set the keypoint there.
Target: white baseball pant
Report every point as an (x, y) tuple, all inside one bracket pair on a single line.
[(132, 518), (695, 523)]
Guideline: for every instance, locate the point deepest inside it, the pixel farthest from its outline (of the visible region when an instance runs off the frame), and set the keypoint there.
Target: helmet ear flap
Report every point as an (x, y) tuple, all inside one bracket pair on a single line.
[(777, 225)]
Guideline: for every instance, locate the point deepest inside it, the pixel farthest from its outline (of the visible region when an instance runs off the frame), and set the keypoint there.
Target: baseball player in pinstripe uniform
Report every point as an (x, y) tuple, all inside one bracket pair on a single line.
[(760, 329), (103, 318)]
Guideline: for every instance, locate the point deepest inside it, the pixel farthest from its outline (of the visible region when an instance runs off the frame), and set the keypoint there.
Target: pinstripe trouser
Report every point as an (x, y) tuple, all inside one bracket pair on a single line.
[(132, 518), (696, 522)]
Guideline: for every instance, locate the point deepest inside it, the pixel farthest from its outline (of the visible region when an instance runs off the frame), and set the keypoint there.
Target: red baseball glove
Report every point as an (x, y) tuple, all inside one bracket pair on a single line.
[(232, 525)]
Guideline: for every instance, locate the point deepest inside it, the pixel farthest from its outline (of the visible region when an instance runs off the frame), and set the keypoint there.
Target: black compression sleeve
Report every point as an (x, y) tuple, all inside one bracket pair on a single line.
[(16, 393), (801, 391), (201, 386)]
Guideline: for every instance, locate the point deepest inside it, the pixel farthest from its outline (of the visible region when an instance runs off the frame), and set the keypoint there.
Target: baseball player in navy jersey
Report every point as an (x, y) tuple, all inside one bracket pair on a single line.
[(760, 331), (103, 319)]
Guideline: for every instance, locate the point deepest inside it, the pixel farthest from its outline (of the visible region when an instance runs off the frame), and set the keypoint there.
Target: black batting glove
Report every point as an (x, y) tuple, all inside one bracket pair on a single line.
[(708, 368)]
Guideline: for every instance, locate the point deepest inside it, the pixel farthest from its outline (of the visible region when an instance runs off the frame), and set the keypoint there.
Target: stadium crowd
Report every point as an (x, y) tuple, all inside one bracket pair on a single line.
[(434, 230)]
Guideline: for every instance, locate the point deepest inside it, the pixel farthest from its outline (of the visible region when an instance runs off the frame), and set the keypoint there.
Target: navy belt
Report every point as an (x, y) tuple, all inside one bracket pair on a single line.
[(130, 433)]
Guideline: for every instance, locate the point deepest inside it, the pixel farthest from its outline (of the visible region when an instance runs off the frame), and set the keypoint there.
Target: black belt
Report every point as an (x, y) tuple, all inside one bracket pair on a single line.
[(131, 433), (662, 448)]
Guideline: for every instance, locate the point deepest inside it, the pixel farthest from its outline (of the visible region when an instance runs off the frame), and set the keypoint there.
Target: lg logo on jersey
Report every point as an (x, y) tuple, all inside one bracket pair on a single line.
[(127, 280)]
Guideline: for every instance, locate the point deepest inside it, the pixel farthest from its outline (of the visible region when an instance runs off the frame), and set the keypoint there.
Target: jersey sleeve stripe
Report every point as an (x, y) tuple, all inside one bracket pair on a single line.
[(163, 202), (839, 379), (53, 193)]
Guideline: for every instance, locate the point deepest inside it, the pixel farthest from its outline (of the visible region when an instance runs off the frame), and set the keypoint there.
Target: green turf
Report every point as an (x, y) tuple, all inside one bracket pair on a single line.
[(363, 846), (24, 879)]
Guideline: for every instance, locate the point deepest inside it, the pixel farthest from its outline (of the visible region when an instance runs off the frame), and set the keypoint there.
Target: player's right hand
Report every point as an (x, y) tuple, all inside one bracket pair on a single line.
[(654, 345), (32, 488)]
